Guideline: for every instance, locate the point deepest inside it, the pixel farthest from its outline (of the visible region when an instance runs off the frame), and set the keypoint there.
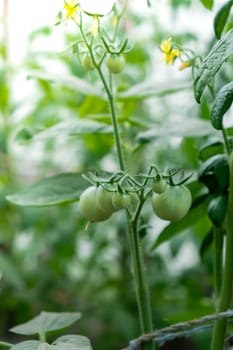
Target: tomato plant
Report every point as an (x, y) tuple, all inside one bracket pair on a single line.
[(113, 127)]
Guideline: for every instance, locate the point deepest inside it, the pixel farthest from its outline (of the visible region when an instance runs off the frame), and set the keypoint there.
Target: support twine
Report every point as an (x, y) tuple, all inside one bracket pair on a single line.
[(177, 330)]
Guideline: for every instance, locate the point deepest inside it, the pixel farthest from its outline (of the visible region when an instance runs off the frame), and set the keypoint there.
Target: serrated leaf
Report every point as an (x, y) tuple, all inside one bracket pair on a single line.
[(27, 345), (212, 63), (54, 190), (70, 81), (149, 89), (208, 4), (221, 18), (75, 128), (47, 322), (178, 128), (72, 342), (210, 149), (196, 214), (222, 103)]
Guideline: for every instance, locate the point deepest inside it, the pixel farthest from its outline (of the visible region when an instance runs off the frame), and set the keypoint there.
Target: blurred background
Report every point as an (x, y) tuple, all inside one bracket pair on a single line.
[(48, 261)]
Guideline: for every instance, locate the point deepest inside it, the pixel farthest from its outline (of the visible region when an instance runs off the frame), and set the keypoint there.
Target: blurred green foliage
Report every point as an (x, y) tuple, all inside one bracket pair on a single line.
[(48, 261)]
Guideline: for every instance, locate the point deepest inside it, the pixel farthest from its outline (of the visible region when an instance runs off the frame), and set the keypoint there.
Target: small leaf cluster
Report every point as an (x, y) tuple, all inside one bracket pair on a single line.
[(47, 322)]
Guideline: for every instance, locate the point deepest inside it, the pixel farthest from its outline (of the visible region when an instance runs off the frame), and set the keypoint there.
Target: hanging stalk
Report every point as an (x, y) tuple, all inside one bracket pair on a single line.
[(225, 297)]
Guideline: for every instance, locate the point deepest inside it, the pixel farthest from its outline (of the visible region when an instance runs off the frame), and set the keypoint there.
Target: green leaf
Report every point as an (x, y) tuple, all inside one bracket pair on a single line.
[(47, 322), (23, 136), (148, 89), (71, 81), (222, 103), (206, 243), (80, 127), (182, 128), (221, 18), (54, 190), (210, 149), (212, 63), (72, 342), (196, 214), (208, 4), (217, 210), (218, 167), (9, 271), (27, 345)]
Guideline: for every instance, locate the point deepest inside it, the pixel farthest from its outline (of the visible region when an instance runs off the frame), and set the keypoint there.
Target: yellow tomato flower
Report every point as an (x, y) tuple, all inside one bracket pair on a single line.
[(115, 21), (170, 54), (71, 9), (95, 25), (185, 64), (166, 45)]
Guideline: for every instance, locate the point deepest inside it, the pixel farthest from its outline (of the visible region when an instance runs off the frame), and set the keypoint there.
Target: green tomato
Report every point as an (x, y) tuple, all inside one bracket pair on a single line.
[(104, 200), (87, 62), (121, 200), (115, 63), (173, 204), (89, 207), (159, 186)]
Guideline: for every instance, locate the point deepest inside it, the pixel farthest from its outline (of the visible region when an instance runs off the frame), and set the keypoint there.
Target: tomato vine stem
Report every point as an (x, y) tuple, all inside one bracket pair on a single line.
[(225, 297), (139, 274)]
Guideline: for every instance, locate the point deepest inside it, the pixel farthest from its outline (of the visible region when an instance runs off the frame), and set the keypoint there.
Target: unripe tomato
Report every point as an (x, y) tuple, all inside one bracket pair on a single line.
[(89, 208), (173, 204), (87, 62), (159, 186), (115, 63), (121, 200), (104, 200)]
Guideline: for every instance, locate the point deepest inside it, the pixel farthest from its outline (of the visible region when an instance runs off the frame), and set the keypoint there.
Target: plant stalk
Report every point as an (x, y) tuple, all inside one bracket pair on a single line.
[(218, 260), (114, 121), (225, 297), (141, 284)]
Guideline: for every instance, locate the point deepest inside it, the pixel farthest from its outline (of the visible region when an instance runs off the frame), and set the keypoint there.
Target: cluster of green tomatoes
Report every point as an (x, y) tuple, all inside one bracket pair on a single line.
[(114, 62), (169, 202)]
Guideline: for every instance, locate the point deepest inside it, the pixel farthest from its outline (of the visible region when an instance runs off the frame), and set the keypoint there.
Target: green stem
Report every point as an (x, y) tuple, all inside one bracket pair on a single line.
[(114, 120), (142, 290), (42, 337), (141, 285), (111, 102), (227, 145), (218, 260), (225, 297)]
